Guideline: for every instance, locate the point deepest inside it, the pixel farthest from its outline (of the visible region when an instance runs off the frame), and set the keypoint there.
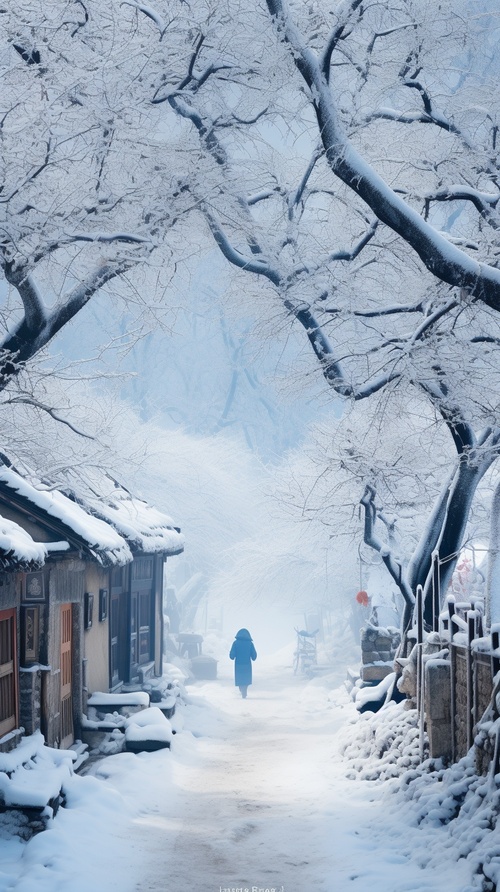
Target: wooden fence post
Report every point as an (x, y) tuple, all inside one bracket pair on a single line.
[(453, 680), (419, 606), (436, 592), (471, 632)]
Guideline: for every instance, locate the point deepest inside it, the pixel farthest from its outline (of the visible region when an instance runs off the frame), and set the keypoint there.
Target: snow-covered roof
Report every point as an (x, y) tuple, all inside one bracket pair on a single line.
[(17, 549), (101, 539), (104, 518), (145, 528)]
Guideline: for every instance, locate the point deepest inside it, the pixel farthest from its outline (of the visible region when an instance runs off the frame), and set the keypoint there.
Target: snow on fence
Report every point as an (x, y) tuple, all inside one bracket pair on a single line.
[(457, 667)]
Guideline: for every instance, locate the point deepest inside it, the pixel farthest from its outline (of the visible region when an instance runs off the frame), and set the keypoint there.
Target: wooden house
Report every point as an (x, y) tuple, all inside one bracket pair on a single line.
[(80, 602)]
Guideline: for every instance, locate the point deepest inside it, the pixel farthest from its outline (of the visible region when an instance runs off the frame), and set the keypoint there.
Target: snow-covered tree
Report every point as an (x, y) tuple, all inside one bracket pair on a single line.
[(337, 155), (336, 83), (85, 196)]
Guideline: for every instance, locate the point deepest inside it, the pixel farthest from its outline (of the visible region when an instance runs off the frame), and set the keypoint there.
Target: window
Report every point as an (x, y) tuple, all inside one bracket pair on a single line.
[(142, 568), (144, 627), (8, 672)]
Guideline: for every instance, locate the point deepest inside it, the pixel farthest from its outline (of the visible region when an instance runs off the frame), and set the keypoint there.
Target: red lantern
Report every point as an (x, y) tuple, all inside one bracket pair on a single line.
[(362, 598)]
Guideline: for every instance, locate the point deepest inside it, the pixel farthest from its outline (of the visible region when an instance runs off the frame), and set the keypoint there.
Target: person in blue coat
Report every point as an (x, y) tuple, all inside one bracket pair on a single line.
[(243, 652)]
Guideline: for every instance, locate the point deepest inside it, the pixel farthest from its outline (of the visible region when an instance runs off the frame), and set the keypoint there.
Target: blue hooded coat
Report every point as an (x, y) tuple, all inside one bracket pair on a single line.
[(243, 652)]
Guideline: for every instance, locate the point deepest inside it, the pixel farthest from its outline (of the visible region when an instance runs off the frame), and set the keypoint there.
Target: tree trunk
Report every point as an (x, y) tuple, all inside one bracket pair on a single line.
[(445, 531)]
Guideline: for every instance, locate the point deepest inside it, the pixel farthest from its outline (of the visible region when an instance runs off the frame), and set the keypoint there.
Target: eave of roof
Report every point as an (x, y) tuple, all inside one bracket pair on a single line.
[(66, 518)]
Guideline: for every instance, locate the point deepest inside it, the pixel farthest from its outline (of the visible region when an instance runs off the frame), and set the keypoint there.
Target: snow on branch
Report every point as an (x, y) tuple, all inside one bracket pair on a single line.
[(150, 13), (383, 311), (37, 329), (261, 267), (344, 12), (205, 129), (484, 202), (416, 117), (105, 238), (263, 195), (374, 385), (431, 320), (320, 343), (343, 255), (71, 303), (34, 310), (49, 410), (296, 197), (356, 250), (462, 433), (444, 260)]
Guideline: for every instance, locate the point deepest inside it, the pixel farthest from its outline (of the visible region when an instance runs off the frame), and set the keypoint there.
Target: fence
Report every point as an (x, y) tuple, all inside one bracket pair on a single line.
[(453, 693)]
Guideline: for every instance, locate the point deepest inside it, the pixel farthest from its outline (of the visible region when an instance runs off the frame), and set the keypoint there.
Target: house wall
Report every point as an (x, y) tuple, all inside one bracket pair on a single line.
[(10, 591), (96, 639)]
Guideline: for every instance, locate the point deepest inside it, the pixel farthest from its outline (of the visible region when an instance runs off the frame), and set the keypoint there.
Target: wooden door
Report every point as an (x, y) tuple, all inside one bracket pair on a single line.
[(67, 736), (118, 628), (8, 672), (142, 613)]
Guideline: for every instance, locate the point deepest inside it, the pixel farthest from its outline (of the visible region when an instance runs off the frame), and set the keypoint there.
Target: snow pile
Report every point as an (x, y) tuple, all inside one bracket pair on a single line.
[(147, 730), (149, 718), (469, 806), (33, 777), (383, 744), (134, 719), (137, 698), (457, 807), (372, 697), (33, 747)]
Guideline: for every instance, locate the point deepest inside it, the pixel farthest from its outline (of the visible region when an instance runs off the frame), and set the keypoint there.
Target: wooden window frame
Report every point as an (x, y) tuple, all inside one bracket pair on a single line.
[(11, 722)]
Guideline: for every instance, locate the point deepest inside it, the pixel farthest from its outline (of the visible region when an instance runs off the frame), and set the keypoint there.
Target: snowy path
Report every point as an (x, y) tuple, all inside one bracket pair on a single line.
[(253, 795), (265, 803), (248, 809)]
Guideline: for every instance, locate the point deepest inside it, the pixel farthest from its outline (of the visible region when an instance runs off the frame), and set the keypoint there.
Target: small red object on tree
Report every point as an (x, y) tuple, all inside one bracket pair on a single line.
[(362, 598)]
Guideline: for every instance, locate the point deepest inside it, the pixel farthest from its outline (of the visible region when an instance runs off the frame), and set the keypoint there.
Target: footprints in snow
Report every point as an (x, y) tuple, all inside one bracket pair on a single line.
[(242, 831)]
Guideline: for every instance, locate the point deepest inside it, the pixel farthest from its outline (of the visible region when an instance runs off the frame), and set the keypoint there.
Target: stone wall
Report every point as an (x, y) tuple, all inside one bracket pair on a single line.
[(438, 708), (458, 692), (378, 648), (460, 674), (483, 684), (30, 699)]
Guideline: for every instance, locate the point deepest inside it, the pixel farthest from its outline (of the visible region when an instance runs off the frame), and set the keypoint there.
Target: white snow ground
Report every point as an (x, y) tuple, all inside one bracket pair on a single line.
[(254, 795)]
